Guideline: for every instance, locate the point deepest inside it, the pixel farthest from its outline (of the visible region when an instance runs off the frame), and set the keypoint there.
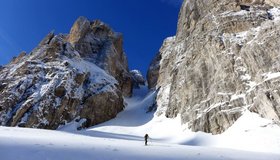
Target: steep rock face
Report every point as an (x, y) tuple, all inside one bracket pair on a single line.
[(153, 71), (223, 60), (105, 51), (63, 79)]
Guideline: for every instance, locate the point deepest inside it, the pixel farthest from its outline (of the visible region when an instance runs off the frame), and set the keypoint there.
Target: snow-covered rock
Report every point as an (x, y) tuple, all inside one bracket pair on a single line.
[(223, 60), (96, 42), (137, 78), (83, 74)]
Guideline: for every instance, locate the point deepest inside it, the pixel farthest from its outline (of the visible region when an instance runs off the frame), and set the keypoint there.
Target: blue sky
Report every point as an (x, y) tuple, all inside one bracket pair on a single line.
[(144, 24)]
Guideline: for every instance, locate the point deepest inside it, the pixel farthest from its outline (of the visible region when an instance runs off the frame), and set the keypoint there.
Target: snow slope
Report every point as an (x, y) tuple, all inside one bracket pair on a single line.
[(251, 137)]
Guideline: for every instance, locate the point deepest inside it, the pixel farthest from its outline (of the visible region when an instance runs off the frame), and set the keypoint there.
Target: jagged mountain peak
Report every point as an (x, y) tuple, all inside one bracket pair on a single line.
[(83, 28), (98, 43), (78, 76)]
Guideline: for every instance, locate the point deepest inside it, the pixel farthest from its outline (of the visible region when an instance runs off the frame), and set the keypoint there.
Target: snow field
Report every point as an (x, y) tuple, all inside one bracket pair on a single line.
[(251, 137)]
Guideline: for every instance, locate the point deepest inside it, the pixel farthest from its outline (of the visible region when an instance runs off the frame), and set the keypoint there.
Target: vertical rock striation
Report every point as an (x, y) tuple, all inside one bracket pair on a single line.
[(223, 60)]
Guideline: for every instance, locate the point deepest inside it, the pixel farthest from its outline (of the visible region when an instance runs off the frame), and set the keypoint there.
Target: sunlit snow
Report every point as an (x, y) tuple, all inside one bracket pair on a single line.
[(251, 137)]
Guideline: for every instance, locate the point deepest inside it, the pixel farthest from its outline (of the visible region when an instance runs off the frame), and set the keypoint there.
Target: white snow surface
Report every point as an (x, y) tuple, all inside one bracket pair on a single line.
[(251, 137)]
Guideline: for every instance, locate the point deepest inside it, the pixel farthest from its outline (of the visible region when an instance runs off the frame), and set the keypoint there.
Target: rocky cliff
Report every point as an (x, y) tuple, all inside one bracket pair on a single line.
[(223, 60), (82, 75)]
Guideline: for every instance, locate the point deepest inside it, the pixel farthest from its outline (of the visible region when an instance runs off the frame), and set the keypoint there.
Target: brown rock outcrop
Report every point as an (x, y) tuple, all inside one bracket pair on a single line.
[(96, 42), (82, 75)]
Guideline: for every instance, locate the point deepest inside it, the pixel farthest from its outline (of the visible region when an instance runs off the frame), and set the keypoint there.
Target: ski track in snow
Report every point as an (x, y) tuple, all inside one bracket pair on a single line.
[(251, 137)]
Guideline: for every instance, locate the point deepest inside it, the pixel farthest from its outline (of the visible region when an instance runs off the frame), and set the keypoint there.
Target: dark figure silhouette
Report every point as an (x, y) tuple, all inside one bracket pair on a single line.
[(146, 139)]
